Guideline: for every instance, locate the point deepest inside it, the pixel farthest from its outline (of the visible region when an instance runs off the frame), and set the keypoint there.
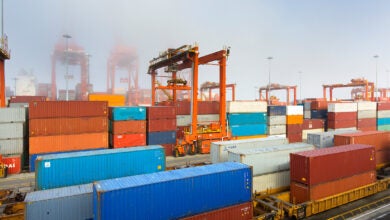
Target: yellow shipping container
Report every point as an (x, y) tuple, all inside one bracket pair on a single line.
[(112, 99), (294, 119)]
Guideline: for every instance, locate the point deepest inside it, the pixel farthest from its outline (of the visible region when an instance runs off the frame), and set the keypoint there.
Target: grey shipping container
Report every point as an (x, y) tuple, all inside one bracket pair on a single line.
[(12, 115), (11, 146), (12, 130), (325, 139)]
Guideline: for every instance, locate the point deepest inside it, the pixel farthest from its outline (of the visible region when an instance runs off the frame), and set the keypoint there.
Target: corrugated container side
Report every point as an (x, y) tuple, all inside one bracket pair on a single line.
[(185, 120), (114, 199), (276, 129), (13, 162), (246, 106), (378, 139), (11, 146), (306, 105), (367, 123), (161, 112), (325, 139), (363, 106), (383, 114), (12, 115), (169, 148), (208, 107), (310, 131), (313, 124), (319, 114), (127, 113), (366, 114), (12, 130), (383, 127), (248, 129), (242, 211), (277, 120), (161, 137), (54, 109), (26, 99), (294, 119), (328, 164), (383, 106), (342, 116), (247, 118), (383, 121), (60, 126), (300, 193), (382, 157), (294, 128), (127, 140), (128, 127), (274, 110), (342, 124), (219, 149), (342, 107), (73, 202), (306, 114), (294, 110), (72, 142), (271, 182), (111, 99), (319, 105), (161, 125), (59, 170), (294, 138)]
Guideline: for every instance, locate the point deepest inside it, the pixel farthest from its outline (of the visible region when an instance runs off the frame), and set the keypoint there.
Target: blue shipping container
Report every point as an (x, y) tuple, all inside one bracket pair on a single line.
[(319, 114), (127, 113), (247, 118), (173, 194), (248, 130), (72, 202), (383, 121), (66, 169), (161, 137), (275, 110)]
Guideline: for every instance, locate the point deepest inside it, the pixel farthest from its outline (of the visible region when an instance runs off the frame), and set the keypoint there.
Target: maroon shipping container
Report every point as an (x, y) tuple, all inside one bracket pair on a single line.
[(300, 193), (183, 108), (208, 107), (160, 112), (128, 127), (55, 109), (383, 106), (382, 157), (342, 124), (366, 122), (59, 126), (26, 99), (161, 125), (313, 124), (127, 140), (379, 139), (180, 131), (242, 211), (345, 116), (293, 138), (319, 105), (328, 164), (294, 128), (168, 149)]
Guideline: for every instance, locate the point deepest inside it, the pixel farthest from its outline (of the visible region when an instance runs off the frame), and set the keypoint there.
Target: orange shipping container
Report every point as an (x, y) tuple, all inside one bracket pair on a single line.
[(128, 127), (63, 126), (294, 119), (112, 99), (379, 139), (382, 157), (14, 163), (127, 140), (63, 143)]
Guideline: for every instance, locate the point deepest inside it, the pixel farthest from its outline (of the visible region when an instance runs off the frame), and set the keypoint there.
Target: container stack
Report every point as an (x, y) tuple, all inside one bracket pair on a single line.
[(323, 172), (294, 121), (270, 164), (127, 126), (112, 99), (383, 120), (247, 119), (307, 109), (367, 116), (310, 126), (185, 188), (63, 126), (276, 120), (161, 127), (342, 116), (13, 138)]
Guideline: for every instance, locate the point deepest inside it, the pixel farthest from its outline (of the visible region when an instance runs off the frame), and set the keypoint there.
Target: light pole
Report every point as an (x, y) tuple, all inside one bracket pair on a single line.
[(300, 85), (269, 79), (66, 36), (376, 77)]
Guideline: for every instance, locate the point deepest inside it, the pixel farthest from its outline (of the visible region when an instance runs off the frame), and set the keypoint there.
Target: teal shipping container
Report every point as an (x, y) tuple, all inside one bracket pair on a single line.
[(383, 121), (127, 113), (248, 129), (247, 118), (75, 168)]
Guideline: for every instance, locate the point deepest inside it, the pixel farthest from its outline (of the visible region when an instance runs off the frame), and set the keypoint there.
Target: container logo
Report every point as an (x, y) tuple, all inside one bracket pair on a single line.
[(11, 165), (47, 165), (230, 147)]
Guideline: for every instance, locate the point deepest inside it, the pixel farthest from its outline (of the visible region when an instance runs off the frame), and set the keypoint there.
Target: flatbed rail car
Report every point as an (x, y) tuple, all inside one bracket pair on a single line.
[(278, 206)]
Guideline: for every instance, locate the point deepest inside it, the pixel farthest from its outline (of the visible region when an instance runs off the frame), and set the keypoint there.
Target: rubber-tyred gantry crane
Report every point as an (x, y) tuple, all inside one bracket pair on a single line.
[(71, 54), (274, 86), (199, 137), (208, 87), (368, 88), (4, 55)]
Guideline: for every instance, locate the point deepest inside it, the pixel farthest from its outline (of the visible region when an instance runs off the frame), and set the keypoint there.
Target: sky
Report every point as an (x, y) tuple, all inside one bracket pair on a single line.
[(312, 42)]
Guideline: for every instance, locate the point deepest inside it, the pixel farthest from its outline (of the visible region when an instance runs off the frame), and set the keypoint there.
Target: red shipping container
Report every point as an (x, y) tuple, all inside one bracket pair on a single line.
[(382, 157), (366, 122), (63, 143), (379, 139), (161, 125), (383, 106), (313, 124), (26, 99), (345, 116), (300, 193), (183, 108), (55, 109), (208, 107), (328, 164), (14, 163), (161, 112), (128, 127), (294, 129), (169, 148), (180, 131), (342, 124), (59, 126), (127, 140), (242, 211), (294, 138), (319, 105)]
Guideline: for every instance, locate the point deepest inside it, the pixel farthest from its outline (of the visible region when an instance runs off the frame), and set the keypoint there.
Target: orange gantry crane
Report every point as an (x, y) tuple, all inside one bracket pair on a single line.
[(272, 99), (199, 137), (208, 87), (4, 55), (367, 93)]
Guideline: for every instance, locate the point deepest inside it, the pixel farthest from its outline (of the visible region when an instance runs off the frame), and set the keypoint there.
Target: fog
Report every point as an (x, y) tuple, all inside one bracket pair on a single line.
[(327, 41)]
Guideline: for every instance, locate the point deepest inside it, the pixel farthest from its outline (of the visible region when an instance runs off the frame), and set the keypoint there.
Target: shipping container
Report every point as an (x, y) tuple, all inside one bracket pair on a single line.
[(185, 120), (332, 116), (382, 157), (111, 99), (342, 123), (161, 112), (73, 202), (219, 149), (383, 114), (246, 106), (295, 137), (59, 170), (12, 146), (208, 107), (127, 113), (366, 122), (300, 193), (366, 114), (272, 182), (383, 127), (128, 127), (274, 110), (127, 140), (63, 126), (328, 164), (294, 128), (268, 159), (13, 162), (169, 148), (8, 115), (306, 105), (26, 99), (276, 129), (383, 121), (72, 142), (383, 106), (313, 124), (379, 139), (310, 131), (342, 107), (247, 118), (161, 137), (190, 191), (12, 130), (55, 109), (306, 114), (154, 125), (18, 105), (325, 139), (248, 129), (277, 120), (294, 110), (319, 105), (319, 114), (363, 106), (242, 211), (294, 119)]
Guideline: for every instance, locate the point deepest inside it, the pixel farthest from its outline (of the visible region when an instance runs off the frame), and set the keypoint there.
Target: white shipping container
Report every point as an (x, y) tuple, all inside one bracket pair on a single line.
[(268, 159), (272, 181), (362, 106), (246, 106), (307, 114), (366, 114), (219, 150), (18, 105), (277, 120), (342, 107), (12, 115), (185, 120), (11, 146), (12, 130), (384, 114), (276, 129), (294, 110), (310, 131), (325, 139), (343, 129)]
